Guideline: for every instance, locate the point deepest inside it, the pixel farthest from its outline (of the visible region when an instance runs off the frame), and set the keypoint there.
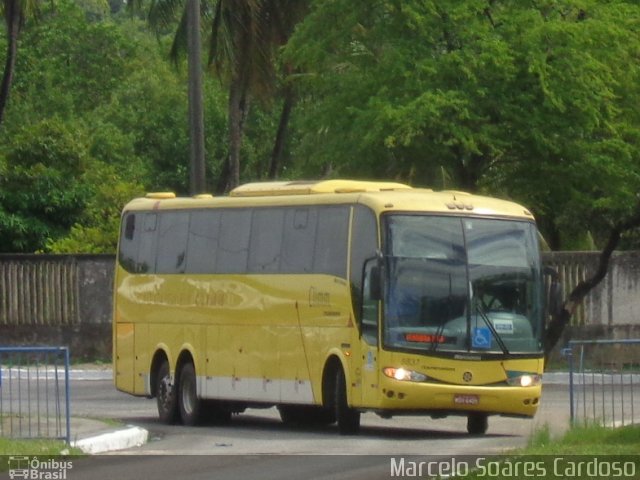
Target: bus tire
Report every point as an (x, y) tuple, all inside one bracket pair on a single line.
[(189, 405), (348, 418), (166, 395), (477, 423)]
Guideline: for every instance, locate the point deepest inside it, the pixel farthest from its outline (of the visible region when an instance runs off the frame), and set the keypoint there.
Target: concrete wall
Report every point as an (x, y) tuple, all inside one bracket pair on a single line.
[(57, 300), (612, 309), (67, 299)]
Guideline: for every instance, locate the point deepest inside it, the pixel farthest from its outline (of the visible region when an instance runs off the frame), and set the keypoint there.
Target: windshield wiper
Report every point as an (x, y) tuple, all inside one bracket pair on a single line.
[(494, 332), (435, 341)]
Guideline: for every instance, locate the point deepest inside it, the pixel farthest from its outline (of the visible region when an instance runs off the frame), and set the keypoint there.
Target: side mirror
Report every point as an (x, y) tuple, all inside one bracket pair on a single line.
[(374, 274), (375, 283)]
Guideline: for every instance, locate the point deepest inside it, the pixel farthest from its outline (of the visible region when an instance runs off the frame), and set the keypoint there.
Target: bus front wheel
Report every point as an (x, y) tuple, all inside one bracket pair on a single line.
[(189, 405), (348, 418), (166, 395), (477, 423)]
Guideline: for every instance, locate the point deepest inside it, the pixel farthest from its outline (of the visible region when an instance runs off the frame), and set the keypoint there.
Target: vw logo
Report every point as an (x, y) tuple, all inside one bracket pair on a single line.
[(467, 376)]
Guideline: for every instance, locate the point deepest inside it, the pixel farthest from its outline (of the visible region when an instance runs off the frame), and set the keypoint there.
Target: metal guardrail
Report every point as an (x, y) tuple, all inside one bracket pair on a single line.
[(34, 392), (604, 386)]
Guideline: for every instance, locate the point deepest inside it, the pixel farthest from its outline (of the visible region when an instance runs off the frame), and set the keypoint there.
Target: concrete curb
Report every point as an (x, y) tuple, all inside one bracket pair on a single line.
[(112, 441)]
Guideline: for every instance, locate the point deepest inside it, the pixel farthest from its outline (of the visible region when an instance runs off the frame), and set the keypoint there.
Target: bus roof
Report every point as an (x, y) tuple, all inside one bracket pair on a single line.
[(380, 196), (316, 186)]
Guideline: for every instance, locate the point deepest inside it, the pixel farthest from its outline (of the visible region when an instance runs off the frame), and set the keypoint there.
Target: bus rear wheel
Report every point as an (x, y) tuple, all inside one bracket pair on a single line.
[(166, 395), (348, 418), (189, 405), (477, 423)]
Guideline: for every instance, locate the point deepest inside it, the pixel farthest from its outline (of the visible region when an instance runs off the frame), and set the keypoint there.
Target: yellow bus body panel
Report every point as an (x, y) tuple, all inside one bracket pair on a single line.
[(267, 338)]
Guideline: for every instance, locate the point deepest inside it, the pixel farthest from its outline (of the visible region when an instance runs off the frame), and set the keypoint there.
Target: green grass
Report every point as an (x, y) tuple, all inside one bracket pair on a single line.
[(36, 447), (577, 448), (43, 449), (586, 440)]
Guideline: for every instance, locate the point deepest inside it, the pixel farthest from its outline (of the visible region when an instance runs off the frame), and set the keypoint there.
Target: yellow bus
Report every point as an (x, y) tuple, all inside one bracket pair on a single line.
[(328, 299)]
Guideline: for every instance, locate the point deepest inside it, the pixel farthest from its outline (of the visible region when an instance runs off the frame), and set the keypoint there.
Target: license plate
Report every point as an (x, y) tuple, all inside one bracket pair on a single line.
[(466, 399)]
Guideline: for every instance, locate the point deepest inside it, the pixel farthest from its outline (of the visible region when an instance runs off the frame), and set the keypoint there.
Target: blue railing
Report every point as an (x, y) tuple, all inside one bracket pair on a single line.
[(34, 393), (604, 382)]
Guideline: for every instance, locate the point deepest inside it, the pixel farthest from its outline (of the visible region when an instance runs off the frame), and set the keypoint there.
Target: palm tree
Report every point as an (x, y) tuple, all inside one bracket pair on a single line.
[(243, 43), (284, 15), (239, 54), (15, 13)]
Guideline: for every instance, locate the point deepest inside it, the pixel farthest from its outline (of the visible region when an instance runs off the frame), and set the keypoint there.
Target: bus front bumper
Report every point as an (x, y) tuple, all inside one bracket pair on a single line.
[(433, 398)]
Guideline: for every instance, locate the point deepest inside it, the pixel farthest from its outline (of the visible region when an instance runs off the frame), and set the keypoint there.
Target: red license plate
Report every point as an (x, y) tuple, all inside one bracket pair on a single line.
[(466, 399)]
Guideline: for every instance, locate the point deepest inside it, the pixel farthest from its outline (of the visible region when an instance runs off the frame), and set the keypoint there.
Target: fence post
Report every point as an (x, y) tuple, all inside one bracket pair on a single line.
[(67, 393), (568, 352)]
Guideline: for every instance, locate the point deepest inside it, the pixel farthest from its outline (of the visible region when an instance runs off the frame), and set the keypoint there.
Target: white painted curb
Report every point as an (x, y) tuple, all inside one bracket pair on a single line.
[(112, 441)]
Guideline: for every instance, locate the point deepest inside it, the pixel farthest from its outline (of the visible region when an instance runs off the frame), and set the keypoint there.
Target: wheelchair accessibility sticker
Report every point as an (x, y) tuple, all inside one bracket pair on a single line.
[(481, 337)]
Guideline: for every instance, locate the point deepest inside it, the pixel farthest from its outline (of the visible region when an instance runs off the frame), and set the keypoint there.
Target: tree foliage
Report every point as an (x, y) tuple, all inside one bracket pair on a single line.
[(100, 88), (42, 192), (531, 100), (534, 101), (244, 39)]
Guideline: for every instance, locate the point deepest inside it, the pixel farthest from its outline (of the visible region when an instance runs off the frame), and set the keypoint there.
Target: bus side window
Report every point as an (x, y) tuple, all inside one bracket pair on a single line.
[(147, 244), (233, 248), (172, 242), (298, 240), (129, 240), (330, 252), (266, 240), (202, 244), (130, 226)]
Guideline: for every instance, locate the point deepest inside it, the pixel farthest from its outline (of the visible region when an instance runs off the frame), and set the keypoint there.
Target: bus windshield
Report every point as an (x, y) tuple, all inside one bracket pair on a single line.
[(462, 284)]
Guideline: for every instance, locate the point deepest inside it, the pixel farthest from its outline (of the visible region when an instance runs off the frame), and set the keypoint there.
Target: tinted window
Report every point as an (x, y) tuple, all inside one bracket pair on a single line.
[(266, 240), (233, 249), (147, 248), (330, 253), (293, 240), (299, 237), (172, 242), (129, 240), (204, 236)]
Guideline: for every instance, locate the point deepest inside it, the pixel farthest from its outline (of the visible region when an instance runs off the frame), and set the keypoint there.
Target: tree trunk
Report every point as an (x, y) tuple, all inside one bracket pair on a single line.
[(235, 134), (197, 181), (561, 318), (278, 147), (14, 20)]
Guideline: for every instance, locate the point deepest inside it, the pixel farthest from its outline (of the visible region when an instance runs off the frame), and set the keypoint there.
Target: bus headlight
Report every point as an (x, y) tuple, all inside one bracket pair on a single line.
[(527, 380), (404, 375)]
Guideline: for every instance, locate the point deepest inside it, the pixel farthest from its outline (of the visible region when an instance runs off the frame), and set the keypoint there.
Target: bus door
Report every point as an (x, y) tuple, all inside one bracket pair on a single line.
[(369, 343)]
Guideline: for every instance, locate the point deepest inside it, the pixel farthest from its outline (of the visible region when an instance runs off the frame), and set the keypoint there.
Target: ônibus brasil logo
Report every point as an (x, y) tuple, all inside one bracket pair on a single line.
[(32, 468)]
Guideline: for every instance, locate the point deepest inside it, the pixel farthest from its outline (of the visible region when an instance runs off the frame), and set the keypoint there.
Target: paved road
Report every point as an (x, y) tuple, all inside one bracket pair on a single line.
[(261, 432), (251, 447)]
